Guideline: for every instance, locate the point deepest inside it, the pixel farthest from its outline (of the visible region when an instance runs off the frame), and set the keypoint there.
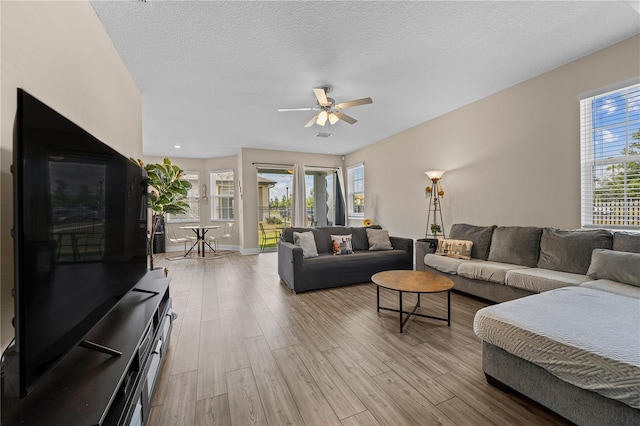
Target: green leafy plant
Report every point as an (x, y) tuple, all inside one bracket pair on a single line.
[(166, 193), (272, 220), (435, 228)]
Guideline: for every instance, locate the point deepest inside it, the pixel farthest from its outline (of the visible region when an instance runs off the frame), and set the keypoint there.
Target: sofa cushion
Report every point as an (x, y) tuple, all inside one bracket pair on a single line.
[(616, 266), (448, 265), (570, 250), (487, 271), (539, 280), (626, 241), (323, 237), (378, 239), (480, 235), (518, 245), (460, 249), (614, 287), (307, 242), (359, 239), (287, 233)]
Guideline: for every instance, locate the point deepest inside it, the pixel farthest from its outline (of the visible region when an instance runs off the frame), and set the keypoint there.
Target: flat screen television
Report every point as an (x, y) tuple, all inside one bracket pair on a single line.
[(80, 221)]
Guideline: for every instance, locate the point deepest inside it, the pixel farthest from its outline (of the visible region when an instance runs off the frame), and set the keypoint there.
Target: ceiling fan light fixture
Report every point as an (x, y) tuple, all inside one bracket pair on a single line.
[(328, 109), (322, 118)]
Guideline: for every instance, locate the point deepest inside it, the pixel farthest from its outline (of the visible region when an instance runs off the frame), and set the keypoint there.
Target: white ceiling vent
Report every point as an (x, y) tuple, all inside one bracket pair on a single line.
[(323, 135)]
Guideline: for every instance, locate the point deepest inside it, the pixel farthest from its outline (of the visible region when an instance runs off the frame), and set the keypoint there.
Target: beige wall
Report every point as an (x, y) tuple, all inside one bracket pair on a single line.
[(60, 53), (511, 158)]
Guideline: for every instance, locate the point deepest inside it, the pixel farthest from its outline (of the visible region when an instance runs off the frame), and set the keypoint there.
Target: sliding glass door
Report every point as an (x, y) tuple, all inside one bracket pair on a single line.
[(323, 200), (275, 200), (323, 197)]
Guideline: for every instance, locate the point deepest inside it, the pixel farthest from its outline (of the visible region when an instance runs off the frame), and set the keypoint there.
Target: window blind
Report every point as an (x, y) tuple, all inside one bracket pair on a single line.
[(610, 159)]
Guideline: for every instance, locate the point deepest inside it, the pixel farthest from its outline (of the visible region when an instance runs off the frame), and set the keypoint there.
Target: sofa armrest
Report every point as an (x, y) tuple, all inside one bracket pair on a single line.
[(289, 261), (401, 243)]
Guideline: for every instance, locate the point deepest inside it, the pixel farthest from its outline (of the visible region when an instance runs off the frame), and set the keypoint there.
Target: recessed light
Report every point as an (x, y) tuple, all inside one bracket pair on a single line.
[(177, 146)]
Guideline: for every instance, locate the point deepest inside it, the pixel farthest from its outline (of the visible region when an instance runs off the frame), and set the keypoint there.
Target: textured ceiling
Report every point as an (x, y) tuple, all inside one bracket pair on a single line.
[(213, 74)]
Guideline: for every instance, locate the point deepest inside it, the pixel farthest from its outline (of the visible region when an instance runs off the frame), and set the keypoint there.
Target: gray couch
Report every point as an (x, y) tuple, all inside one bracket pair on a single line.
[(509, 262), (327, 270)]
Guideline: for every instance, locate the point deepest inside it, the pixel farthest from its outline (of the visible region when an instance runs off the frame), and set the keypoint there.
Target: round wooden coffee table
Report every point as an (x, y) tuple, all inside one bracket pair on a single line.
[(404, 281)]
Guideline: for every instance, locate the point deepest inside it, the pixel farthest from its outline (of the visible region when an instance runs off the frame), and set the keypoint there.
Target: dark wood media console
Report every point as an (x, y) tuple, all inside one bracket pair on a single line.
[(93, 388)]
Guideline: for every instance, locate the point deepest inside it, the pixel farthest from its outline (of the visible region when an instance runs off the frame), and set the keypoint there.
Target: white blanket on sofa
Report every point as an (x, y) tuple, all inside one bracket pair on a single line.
[(586, 337)]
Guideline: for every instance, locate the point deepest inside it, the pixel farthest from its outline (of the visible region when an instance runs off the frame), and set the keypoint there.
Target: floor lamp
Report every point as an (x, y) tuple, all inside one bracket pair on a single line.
[(435, 193)]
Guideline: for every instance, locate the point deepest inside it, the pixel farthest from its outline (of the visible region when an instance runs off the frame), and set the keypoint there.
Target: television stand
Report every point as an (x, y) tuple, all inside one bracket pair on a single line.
[(96, 347), (91, 388), (141, 290)]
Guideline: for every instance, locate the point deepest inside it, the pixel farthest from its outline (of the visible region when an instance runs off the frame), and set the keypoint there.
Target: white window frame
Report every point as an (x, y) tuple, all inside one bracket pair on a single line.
[(599, 215), (353, 189), (193, 198), (215, 196)]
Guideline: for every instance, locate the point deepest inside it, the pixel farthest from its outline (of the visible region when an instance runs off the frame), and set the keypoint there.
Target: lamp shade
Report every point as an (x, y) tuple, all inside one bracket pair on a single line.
[(435, 174), (322, 118)]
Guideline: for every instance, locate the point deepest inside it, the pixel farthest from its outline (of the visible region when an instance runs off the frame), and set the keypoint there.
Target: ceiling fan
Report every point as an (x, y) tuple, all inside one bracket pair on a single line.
[(329, 110)]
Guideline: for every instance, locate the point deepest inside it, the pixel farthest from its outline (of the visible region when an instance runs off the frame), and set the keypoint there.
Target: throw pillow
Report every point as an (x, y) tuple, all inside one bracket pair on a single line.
[(378, 239), (615, 266), (480, 235), (307, 242), (341, 244), (459, 249)]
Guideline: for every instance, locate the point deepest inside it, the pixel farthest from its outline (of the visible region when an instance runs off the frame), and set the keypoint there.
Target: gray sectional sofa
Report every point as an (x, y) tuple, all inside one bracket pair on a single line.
[(574, 344), (509, 262), (327, 270)]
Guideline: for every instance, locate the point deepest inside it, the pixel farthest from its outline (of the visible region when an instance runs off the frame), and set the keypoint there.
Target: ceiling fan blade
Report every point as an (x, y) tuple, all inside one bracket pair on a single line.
[(345, 117), (321, 95), (295, 109), (312, 121), (356, 102)]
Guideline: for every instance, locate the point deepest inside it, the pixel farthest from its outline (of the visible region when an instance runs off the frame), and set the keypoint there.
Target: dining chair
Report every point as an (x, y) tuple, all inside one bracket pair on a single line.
[(177, 240), (213, 236), (227, 232)]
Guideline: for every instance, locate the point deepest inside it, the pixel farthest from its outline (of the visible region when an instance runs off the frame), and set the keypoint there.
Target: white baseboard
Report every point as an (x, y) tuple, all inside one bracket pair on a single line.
[(250, 252)]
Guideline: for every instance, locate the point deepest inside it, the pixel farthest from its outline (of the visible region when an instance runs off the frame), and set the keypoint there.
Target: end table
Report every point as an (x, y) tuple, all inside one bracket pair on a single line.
[(424, 246)]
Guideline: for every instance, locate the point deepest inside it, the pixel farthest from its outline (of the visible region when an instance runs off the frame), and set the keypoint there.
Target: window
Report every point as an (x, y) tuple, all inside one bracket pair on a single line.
[(610, 159), (222, 186), (355, 191), (193, 199)]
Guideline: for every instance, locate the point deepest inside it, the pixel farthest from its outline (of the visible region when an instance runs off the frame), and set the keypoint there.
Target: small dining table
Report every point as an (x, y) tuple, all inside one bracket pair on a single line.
[(200, 231)]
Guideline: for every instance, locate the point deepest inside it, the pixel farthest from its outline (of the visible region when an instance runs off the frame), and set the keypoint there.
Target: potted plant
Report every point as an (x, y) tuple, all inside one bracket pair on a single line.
[(435, 229), (166, 193)]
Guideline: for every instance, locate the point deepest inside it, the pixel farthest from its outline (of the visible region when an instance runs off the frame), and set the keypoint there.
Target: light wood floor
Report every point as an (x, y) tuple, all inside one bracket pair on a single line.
[(245, 350)]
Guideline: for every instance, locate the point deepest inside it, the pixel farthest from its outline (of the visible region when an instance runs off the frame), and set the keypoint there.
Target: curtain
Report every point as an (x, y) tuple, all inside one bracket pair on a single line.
[(299, 213), (341, 211)]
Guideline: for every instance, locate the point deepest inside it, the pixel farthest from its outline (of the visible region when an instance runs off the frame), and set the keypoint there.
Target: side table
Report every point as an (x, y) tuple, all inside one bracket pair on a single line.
[(424, 246)]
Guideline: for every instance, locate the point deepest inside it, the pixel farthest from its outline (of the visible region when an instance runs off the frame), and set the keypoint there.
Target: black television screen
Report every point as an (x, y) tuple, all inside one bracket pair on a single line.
[(79, 234)]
